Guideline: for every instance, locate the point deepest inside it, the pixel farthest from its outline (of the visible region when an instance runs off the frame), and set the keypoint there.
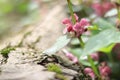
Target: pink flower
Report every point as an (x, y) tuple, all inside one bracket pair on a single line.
[(66, 21), (78, 28), (90, 72), (98, 9), (69, 25), (75, 60), (105, 70), (102, 8), (107, 6), (95, 56), (84, 22), (72, 57)]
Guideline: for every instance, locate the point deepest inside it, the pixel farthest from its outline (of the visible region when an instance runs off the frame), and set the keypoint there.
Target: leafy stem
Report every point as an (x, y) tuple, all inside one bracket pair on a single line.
[(110, 57), (119, 1), (74, 21), (93, 66), (71, 11), (81, 42), (118, 11)]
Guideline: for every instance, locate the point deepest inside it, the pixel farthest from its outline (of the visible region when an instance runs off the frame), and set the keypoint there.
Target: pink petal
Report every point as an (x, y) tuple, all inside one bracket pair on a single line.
[(92, 75), (75, 60), (76, 27), (84, 22), (99, 10), (106, 71), (69, 28), (88, 70), (107, 6), (70, 56), (95, 56), (66, 21)]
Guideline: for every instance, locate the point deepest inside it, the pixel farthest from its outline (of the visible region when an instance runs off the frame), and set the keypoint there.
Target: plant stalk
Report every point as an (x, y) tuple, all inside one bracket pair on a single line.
[(93, 66), (118, 11), (71, 11), (110, 58), (81, 42)]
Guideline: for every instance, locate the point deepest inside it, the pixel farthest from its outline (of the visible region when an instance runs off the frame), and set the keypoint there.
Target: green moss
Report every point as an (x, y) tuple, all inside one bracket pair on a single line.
[(6, 51), (61, 77), (54, 68)]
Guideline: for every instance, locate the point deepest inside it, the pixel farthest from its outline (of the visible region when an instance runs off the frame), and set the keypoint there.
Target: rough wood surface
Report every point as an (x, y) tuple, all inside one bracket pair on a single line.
[(21, 62), (26, 62)]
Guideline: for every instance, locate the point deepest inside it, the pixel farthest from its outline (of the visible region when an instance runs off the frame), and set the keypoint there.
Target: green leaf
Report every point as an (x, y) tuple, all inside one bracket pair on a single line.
[(74, 41), (60, 43), (86, 63), (103, 24), (93, 65), (93, 27), (77, 51), (107, 49), (103, 39)]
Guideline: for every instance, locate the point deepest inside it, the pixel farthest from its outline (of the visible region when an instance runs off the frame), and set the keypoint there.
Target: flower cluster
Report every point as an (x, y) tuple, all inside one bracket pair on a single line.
[(90, 72), (95, 56), (70, 56), (78, 28), (104, 70), (102, 8)]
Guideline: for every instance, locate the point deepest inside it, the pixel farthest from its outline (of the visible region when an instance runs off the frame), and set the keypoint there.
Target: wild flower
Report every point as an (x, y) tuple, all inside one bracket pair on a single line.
[(89, 72), (70, 56), (104, 70), (78, 28), (102, 8), (95, 56)]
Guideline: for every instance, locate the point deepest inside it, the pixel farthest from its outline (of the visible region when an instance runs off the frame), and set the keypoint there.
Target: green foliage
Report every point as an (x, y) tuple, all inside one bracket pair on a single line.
[(54, 68), (107, 49), (16, 13), (60, 43), (103, 24), (5, 7), (77, 51), (6, 51), (101, 40), (93, 65)]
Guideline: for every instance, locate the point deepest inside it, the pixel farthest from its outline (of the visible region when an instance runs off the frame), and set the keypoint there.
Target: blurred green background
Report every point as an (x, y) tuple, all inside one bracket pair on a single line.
[(16, 13)]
